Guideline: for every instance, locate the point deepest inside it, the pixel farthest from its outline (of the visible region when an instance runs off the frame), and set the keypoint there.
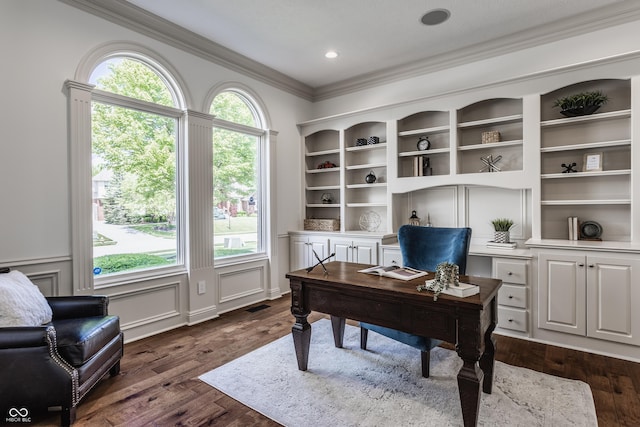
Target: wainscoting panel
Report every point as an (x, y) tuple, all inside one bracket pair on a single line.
[(146, 306), (51, 275), (237, 288), (47, 282)]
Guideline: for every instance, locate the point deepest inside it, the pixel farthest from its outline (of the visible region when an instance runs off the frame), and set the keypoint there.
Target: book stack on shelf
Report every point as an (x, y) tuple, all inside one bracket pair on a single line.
[(574, 233), (421, 166), (501, 245)]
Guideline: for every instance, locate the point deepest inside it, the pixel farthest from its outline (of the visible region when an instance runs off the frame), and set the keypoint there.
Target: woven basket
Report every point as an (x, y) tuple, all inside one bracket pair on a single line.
[(491, 136), (322, 224)]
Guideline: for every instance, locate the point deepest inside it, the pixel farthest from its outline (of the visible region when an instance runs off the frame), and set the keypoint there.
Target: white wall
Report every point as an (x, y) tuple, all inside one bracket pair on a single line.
[(42, 44)]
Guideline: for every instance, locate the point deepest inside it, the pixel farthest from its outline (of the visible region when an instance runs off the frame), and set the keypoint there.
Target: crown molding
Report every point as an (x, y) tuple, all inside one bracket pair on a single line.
[(130, 16), (598, 19), (123, 13), (572, 68)]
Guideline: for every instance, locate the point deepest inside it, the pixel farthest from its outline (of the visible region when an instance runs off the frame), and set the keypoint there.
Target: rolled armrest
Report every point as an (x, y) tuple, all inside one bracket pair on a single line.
[(71, 307), (23, 336)]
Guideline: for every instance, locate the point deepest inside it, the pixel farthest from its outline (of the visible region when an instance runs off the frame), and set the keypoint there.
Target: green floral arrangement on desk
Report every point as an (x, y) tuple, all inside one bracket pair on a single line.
[(447, 274)]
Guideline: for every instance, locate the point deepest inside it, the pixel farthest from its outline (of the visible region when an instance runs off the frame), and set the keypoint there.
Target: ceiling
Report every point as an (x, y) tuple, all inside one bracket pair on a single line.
[(376, 39)]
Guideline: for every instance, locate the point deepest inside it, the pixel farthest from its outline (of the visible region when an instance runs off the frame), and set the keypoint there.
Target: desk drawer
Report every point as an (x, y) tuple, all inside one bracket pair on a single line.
[(511, 271), (512, 318), (513, 296)]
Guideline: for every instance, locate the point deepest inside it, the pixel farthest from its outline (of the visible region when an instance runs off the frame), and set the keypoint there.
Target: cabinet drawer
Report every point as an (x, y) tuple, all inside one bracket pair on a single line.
[(391, 256), (512, 318), (511, 271), (513, 296)]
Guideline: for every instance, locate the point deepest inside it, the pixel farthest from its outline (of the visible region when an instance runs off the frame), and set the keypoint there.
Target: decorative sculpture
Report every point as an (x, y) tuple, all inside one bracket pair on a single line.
[(490, 163), (569, 167)]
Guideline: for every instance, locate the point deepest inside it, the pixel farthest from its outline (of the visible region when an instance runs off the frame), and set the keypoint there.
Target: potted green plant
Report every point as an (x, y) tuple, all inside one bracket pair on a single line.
[(501, 227), (581, 104)]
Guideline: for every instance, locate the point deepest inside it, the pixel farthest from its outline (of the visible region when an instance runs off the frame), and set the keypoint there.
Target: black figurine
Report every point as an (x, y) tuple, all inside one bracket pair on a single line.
[(568, 168)]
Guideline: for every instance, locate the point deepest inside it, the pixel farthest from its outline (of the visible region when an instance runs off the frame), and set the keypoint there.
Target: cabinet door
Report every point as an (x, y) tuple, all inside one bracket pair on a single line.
[(562, 293), (299, 253), (611, 293), (365, 252), (342, 248), (321, 246)]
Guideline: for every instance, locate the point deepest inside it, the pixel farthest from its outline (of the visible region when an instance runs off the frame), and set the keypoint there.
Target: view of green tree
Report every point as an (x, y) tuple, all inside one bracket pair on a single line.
[(137, 147), (234, 154), (232, 108), (234, 160)]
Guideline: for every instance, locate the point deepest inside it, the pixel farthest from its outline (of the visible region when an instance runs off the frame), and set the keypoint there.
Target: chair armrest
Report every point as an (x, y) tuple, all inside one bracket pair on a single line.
[(71, 307), (23, 336)]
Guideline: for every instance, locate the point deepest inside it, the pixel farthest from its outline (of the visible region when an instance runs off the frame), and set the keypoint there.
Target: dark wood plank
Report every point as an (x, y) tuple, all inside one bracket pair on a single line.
[(158, 384)]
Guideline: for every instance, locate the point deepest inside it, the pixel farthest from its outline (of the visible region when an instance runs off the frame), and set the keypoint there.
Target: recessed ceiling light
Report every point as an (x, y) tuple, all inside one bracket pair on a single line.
[(331, 54), (435, 17)]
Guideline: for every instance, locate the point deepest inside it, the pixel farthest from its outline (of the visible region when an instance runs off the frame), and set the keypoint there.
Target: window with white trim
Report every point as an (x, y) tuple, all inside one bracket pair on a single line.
[(239, 171), (135, 152)]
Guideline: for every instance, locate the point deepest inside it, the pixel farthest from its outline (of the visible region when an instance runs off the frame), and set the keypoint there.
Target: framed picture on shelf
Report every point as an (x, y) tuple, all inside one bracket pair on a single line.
[(592, 162)]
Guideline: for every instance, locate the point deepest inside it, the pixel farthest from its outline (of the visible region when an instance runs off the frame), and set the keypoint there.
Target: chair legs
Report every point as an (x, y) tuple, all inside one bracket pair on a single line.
[(364, 334), (426, 358), (424, 355)]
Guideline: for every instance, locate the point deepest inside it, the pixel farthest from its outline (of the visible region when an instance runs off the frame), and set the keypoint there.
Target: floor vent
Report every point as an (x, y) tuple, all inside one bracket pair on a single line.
[(258, 308)]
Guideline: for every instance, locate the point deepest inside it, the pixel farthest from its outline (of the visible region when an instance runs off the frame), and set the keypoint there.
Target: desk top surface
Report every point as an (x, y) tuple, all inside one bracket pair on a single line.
[(346, 275)]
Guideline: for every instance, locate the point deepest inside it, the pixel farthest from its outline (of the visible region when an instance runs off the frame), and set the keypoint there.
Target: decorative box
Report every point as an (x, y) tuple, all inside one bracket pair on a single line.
[(491, 136), (322, 224)]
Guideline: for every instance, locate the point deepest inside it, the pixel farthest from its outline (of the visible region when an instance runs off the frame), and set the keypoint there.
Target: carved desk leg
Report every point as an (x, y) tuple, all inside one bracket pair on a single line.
[(301, 330), (470, 377), (488, 357)]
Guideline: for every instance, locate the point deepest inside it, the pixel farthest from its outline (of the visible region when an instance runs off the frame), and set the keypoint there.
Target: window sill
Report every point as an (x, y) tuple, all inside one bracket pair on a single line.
[(241, 259), (140, 276)]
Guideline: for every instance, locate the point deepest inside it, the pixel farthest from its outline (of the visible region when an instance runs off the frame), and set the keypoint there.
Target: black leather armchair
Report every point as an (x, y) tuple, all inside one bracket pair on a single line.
[(56, 364)]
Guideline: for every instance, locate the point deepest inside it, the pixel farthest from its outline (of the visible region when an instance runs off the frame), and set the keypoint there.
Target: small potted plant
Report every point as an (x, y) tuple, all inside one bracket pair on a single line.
[(502, 227), (581, 104)]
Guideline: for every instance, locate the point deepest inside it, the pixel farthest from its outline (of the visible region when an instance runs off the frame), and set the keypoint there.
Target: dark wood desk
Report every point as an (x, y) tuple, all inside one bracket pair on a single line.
[(346, 294)]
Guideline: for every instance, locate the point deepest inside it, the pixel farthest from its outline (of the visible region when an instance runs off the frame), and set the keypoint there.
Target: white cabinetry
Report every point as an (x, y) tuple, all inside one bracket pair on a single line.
[(391, 255), (302, 247), (322, 175), (361, 161), (501, 115), (602, 194), (364, 251), (513, 301), (590, 295), (348, 247)]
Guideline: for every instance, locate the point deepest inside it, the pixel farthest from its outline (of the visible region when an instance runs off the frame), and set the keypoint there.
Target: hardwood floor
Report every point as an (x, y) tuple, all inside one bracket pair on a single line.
[(158, 384)]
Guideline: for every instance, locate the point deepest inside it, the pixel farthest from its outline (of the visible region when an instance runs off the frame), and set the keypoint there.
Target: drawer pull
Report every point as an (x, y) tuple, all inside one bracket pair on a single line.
[(509, 274), (510, 320), (510, 296)]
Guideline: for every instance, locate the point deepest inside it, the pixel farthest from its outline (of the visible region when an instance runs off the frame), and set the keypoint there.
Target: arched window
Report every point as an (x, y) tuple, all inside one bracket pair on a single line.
[(239, 171), (135, 142)]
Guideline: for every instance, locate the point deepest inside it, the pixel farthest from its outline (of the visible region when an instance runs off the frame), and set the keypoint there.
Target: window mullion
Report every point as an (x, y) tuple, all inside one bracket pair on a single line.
[(135, 104)]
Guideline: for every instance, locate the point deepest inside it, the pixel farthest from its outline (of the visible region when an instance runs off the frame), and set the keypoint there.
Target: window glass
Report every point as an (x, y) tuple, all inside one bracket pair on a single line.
[(237, 166), (235, 108), (132, 78), (134, 173)]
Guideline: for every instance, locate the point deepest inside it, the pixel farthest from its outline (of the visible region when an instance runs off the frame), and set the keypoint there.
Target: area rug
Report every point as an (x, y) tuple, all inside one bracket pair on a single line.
[(382, 386)]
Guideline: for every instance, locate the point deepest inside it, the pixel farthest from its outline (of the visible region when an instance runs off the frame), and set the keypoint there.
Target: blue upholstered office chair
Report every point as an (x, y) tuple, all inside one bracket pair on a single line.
[(423, 248)]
